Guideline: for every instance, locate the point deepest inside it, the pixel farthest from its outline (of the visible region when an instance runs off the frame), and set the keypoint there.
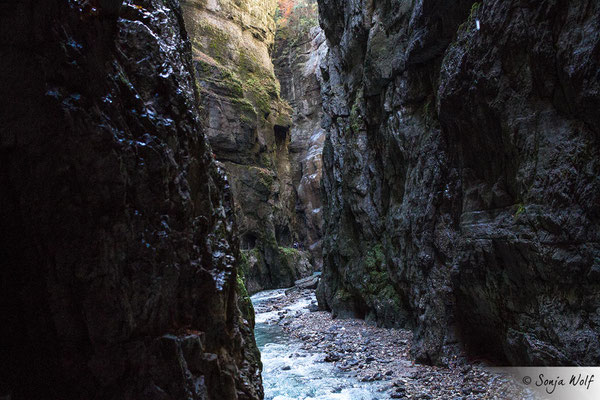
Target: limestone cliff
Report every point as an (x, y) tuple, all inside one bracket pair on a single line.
[(299, 48), (249, 131), (119, 247), (461, 174)]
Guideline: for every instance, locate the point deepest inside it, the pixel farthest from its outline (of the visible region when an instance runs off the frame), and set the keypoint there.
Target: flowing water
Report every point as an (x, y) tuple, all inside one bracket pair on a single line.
[(293, 373)]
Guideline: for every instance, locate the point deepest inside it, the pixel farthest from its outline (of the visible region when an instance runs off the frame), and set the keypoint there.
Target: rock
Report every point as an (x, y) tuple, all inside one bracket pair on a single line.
[(460, 175), (299, 49), (120, 260), (331, 357), (310, 282), (249, 131)]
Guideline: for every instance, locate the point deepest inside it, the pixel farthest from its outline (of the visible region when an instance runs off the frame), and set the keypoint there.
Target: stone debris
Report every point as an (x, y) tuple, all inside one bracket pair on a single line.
[(370, 353)]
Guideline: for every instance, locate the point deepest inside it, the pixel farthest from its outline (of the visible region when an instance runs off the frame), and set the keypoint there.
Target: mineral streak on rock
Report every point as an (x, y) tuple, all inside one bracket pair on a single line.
[(119, 250), (461, 174)]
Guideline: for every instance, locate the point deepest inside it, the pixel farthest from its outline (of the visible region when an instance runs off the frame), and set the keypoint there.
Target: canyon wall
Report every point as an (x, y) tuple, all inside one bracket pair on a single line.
[(299, 49), (119, 250), (249, 131), (461, 174)]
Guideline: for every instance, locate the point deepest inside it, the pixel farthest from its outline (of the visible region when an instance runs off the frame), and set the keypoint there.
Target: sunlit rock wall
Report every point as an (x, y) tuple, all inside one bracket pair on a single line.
[(249, 131)]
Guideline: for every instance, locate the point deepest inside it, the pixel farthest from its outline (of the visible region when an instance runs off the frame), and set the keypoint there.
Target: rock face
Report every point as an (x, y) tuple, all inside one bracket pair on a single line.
[(461, 174), (300, 48), (119, 253), (249, 131)]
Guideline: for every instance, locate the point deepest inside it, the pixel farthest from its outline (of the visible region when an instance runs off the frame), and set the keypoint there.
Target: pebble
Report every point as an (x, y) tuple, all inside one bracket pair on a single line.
[(374, 354)]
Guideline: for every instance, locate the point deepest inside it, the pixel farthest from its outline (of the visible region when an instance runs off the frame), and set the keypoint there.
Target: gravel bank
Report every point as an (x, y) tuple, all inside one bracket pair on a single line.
[(370, 353)]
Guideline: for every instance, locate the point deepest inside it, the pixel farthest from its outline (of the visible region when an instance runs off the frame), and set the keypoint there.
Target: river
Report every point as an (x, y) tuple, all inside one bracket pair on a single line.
[(293, 373)]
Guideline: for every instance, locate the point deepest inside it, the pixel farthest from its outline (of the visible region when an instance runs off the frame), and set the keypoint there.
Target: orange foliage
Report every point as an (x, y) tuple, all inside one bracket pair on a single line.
[(285, 9)]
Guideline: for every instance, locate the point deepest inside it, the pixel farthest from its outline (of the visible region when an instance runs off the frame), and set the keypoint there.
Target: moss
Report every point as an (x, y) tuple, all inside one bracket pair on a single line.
[(389, 293), (342, 296), (273, 89), (520, 210), (221, 77), (254, 90), (266, 161), (377, 277), (355, 118), (374, 257), (429, 114), (244, 265), (265, 178), (259, 84), (246, 80), (247, 111), (290, 252), (230, 87), (268, 239), (247, 64), (124, 80), (216, 44), (283, 119), (244, 302)]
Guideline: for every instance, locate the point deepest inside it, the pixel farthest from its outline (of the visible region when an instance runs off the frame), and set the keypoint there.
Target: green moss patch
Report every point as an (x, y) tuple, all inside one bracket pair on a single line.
[(290, 252), (356, 122)]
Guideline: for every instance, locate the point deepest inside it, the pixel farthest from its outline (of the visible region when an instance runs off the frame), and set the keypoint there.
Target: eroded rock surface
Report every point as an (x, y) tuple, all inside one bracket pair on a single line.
[(298, 54), (461, 174), (249, 131), (119, 250)]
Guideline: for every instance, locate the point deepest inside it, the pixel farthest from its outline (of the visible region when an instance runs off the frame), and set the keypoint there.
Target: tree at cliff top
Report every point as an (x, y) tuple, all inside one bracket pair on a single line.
[(295, 18)]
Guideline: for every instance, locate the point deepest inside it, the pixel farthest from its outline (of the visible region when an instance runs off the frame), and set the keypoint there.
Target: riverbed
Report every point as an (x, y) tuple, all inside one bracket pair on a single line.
[(307, 355), (291, 372)]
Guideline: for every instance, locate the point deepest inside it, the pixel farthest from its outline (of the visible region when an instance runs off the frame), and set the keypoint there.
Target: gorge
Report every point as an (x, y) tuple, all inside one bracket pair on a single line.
[(436, 164)]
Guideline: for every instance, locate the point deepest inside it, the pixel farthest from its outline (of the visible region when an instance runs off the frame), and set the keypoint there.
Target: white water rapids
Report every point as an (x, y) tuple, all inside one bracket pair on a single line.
[(293, 373)]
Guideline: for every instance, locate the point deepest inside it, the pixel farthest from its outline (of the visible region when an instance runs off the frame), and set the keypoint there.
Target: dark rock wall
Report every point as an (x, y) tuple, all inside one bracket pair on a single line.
[(119, 253), (461, 174)]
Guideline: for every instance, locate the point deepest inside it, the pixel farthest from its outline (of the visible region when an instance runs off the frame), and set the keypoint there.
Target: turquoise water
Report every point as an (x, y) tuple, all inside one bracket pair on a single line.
[(291, 373)]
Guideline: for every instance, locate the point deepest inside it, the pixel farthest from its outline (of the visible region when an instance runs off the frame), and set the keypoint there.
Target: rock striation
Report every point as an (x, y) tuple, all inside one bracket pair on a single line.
[(119, 250), (299, 48), (249, 131), (461, 174)]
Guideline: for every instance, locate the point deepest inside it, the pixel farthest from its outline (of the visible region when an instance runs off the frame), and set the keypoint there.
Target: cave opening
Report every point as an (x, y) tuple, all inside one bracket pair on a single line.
[(281, 132), (248, 241)]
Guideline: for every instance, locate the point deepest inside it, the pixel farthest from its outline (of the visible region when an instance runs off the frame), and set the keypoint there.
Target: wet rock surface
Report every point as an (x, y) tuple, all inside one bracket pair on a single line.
[(120, 254), (382, 356), (461, 175)]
